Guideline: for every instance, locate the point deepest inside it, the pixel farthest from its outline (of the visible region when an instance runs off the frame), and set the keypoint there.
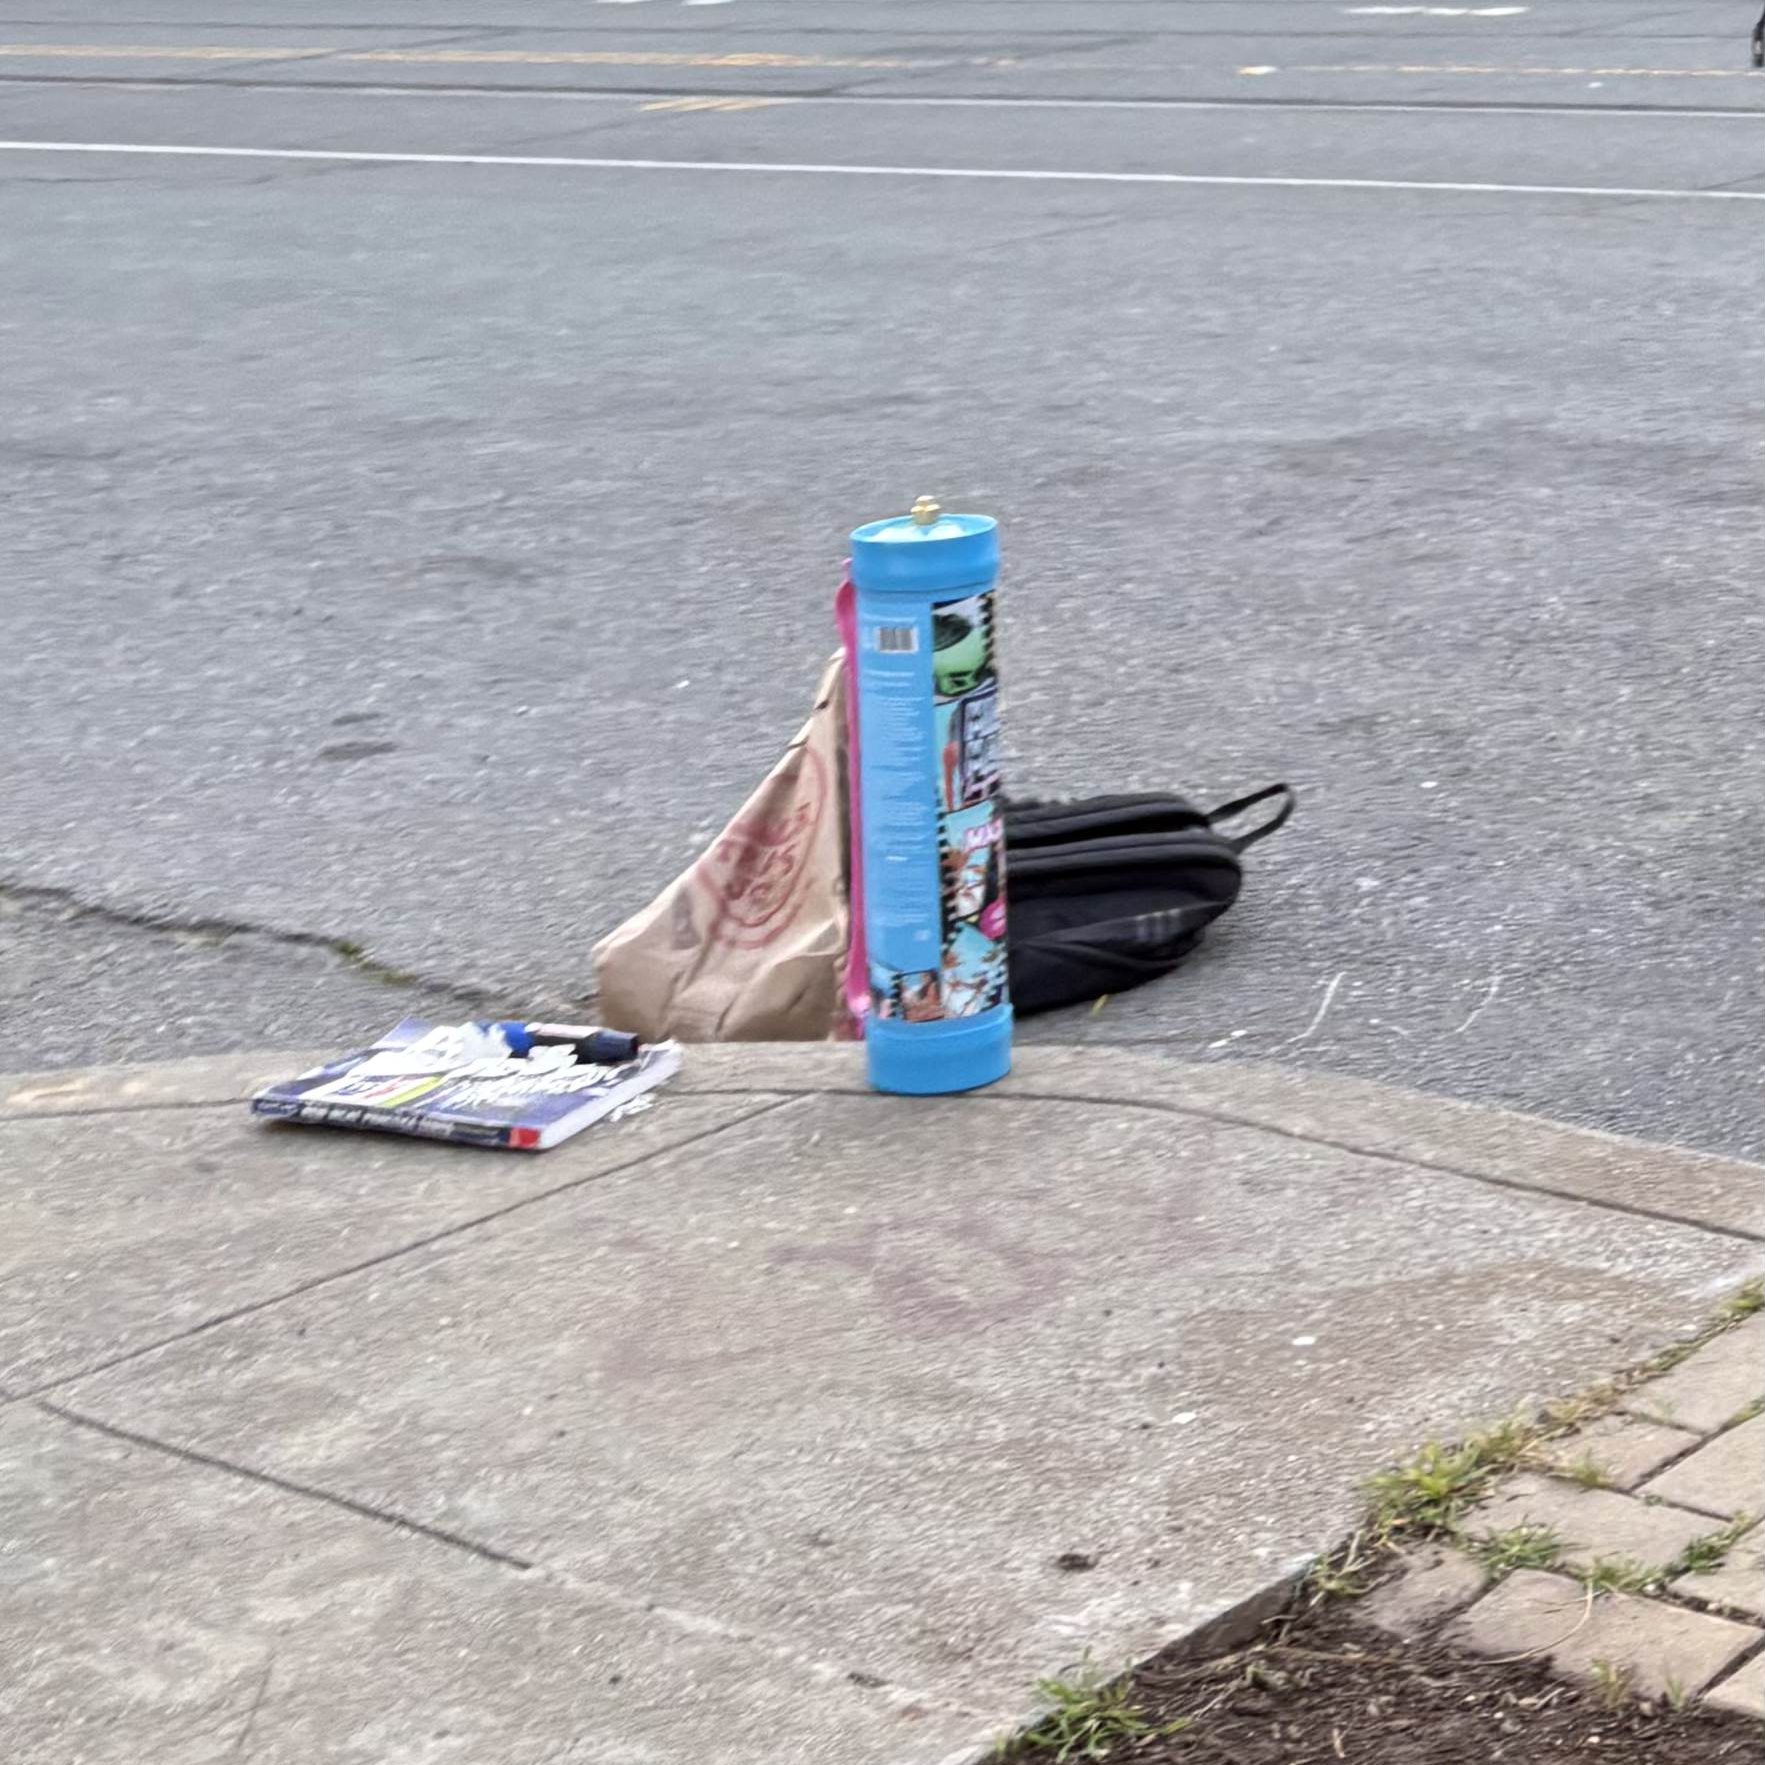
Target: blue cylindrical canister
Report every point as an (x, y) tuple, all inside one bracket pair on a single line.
[(929, 784)]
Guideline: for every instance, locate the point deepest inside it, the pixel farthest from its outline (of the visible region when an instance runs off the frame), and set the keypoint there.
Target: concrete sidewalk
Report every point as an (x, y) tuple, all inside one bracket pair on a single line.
[(783, 1422)]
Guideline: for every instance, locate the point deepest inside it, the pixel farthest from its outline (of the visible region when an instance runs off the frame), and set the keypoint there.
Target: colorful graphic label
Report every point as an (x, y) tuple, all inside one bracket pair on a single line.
[(971, 835), (923, 968)]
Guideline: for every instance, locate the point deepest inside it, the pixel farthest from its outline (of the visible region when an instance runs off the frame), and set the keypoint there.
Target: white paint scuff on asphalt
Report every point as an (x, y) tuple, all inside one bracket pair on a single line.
[(1318, 1016)]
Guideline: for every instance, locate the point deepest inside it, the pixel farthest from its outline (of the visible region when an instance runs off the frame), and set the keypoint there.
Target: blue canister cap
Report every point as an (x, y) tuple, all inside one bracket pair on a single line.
[(926, 551)]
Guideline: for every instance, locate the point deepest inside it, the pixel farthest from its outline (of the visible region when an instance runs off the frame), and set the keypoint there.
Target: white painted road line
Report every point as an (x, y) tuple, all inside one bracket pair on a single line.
[(565, 162), (1495, 71)]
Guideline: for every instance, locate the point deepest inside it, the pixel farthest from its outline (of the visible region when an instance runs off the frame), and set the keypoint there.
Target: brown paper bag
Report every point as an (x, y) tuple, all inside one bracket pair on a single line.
[(749, 943)]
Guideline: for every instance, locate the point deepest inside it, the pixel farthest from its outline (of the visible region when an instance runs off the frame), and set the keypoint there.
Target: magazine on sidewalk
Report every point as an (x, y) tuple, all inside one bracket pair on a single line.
[(421, 1079)]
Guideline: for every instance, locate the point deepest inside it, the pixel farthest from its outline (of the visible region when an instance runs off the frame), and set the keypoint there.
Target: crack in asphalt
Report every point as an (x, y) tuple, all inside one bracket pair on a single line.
[(218, 928)]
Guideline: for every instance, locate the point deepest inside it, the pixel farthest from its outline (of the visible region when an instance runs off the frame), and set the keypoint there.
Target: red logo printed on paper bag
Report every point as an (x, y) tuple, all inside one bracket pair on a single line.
[(756, 870)]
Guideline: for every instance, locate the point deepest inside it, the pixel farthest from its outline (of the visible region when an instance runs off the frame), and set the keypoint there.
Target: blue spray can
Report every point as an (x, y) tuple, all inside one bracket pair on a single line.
[(929, 789)]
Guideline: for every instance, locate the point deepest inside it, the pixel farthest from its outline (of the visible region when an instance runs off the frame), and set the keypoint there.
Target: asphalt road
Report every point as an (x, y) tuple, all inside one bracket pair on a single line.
[(424, 556)]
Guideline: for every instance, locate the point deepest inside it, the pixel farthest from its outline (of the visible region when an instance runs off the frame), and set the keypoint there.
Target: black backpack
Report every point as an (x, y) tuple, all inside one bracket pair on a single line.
[(1112, 892)]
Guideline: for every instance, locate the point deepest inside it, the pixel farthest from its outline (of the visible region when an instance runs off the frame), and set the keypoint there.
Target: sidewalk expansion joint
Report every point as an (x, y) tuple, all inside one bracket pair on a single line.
[(458, 1229), (701, 1624), (676, 1618), (209, 1461), (1410, 1161), (1416, 1161), (87, 1111)]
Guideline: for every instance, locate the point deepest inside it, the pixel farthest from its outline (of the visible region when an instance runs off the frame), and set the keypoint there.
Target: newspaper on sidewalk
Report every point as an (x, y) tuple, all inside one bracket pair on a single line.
[(449, 1082)]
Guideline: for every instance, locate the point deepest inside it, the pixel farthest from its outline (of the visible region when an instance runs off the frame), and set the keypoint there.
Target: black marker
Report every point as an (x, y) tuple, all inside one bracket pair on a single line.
[(591, 1046)]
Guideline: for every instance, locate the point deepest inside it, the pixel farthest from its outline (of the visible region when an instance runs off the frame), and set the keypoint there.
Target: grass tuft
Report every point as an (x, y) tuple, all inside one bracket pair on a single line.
[(1669, 1358), (1089, 1717), (1744, 1301), (1341, 1576), (1586, 1472), (1429, 1493), (1607, 1575), (1612, 1684), (1567, 1414), (1530, 1546), (1705, 1555)]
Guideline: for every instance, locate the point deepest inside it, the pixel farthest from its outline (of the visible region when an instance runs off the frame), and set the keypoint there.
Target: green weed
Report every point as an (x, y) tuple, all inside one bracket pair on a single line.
[(1744, 1301), (1612, 1684), (1522, 1547), (1587, 1472), (1705, 1555), (1620, 1575), (1089, 1717), (1430, 1492)]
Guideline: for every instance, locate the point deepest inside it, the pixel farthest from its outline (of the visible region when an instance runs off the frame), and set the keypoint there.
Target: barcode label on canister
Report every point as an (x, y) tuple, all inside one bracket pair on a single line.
[(895, 640)]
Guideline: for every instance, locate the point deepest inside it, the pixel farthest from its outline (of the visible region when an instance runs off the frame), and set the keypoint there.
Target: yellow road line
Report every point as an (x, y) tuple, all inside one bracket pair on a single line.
[(711, 103), (438, 57), (615, 58), (768, 60)]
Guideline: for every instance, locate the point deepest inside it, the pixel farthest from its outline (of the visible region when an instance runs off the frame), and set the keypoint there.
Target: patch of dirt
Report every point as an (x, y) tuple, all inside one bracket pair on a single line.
[(1326, 1688)]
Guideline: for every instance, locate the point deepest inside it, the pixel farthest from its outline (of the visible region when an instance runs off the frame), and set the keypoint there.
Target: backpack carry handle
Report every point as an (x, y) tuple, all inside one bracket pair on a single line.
[(1238, 805)]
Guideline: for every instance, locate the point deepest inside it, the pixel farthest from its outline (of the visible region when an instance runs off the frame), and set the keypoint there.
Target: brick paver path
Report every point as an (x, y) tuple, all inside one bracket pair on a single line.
[(1665, 1502)]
